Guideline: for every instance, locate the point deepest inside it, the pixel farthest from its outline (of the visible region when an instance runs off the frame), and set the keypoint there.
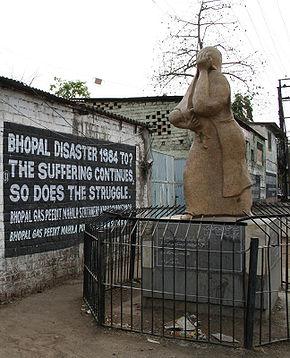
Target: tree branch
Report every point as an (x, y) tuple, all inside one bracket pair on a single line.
[(209, 21), (238, 78)]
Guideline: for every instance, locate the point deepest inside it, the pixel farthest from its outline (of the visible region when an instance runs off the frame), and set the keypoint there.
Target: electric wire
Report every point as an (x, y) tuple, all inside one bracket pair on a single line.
[(60, 115), (268, 57), (283, 21), (272, 39), (165, 12), (90, 140), (249, 41), (258, 35)]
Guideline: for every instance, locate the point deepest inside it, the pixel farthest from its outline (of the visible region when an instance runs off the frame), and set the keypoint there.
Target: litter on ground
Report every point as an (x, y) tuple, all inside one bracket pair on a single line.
[(185, 327), (224, 338)]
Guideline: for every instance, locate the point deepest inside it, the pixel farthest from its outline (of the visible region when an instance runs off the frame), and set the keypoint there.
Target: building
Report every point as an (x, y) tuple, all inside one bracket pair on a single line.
[(262, 161), (256, 160), (154, 112), (274, 139), (62, 164)]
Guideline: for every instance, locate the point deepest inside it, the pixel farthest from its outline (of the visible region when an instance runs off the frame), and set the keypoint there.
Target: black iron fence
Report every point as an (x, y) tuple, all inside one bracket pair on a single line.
[(153, 272)]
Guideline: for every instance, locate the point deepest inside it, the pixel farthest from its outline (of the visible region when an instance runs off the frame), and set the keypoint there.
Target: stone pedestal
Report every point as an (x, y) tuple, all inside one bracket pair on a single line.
[(206, 262), (269, 270)]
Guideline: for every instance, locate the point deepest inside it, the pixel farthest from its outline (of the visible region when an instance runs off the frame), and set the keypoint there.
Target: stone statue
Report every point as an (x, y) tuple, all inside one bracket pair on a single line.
[(216, 178)]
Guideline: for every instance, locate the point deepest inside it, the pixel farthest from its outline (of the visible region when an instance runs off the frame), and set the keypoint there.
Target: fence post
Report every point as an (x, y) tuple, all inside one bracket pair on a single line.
[(251, 294), (101, 271), (85, 281), (133, 250)]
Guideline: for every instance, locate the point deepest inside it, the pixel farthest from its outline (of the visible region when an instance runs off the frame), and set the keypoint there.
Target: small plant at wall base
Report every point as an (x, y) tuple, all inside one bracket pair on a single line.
[(69, 89)]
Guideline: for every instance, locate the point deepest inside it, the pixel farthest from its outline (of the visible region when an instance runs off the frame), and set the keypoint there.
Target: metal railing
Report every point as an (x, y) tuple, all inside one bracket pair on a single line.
[(152, 272)]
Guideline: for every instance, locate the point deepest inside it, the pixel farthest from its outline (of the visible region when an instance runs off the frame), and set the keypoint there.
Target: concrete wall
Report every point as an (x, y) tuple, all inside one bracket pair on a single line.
[(29, 273)]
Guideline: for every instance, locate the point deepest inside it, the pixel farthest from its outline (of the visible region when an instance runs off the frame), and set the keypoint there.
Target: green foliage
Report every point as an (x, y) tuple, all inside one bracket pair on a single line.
[(242, 107), (69, 89)]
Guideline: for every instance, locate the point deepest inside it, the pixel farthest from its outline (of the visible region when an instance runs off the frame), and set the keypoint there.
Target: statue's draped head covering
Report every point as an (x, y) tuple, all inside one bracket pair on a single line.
[(212, 52)]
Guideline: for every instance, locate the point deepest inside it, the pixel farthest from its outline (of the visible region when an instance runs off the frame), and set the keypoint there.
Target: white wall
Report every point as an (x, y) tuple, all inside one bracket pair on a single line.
[(24, 274)]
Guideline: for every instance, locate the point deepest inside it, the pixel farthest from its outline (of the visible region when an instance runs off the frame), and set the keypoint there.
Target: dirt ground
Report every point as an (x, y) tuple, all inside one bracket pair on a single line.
[(52, 324)]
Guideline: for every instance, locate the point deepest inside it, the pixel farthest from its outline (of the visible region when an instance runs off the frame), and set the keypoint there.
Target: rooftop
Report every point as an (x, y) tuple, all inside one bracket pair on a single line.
[(164, 98), (131, 99), (271, 126), (81, 107)]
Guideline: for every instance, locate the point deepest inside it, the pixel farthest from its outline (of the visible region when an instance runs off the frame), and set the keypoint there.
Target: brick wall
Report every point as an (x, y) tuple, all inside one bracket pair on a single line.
[(153, 111), (32, 273), (29, 273)]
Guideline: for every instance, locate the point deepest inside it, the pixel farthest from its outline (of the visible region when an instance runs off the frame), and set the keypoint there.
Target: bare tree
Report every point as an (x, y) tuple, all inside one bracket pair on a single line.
[(211, 24)]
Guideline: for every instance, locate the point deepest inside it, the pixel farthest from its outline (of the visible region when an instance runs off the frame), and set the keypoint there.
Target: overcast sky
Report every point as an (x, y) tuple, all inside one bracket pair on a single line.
[(117, 40)]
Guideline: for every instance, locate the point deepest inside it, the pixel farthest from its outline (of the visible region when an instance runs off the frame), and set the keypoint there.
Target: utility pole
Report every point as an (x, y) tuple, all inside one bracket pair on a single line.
[(283, 154)]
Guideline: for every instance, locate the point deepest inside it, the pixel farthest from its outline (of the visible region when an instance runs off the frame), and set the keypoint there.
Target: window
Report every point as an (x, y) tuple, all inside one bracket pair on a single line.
[(256, 188), (252, 155), (269, 141), (247, 150), (259, 153)]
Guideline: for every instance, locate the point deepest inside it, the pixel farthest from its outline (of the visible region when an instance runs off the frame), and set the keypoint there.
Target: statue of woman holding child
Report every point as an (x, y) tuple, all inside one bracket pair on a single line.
[(216, 178)]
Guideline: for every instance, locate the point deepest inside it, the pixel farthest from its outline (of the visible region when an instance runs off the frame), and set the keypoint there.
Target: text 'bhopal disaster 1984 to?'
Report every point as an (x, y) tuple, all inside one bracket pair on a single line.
[(67, 171)]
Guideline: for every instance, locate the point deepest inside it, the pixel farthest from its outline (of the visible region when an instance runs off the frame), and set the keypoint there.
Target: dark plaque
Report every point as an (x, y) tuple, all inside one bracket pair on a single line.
[(54, 183), (199, 246)]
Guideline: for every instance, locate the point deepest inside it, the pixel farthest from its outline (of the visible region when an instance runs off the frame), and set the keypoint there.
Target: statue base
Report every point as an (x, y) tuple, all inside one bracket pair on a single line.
[(207, 262)]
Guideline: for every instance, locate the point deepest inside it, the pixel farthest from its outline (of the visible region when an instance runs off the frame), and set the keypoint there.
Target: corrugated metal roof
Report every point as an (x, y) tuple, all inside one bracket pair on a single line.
[(131, 99), (272, 126), (247, 126), (22, 87)]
